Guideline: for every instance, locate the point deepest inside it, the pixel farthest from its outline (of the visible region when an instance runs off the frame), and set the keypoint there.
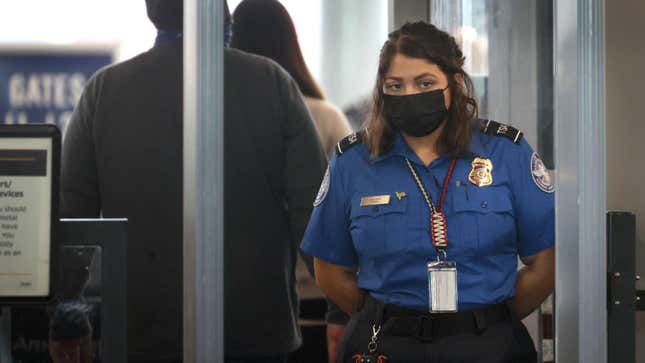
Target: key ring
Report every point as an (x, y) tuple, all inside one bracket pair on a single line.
[(372, 346), (442, 252)]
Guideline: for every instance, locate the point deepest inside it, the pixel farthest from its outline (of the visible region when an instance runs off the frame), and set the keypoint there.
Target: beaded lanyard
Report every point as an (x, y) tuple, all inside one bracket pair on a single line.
[(438, 228)]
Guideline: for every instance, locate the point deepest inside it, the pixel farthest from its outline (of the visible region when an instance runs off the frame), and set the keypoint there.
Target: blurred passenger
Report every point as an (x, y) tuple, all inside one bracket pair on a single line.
[(273, 167), (264, 27), (122, 157)]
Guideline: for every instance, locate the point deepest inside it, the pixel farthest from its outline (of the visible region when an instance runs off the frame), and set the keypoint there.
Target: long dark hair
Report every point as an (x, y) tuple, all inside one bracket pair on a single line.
[(264, 27), (425, 41)]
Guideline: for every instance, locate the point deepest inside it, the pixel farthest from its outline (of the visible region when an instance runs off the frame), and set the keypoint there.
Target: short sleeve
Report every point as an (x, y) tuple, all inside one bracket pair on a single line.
[(533, 188), (327, 236)]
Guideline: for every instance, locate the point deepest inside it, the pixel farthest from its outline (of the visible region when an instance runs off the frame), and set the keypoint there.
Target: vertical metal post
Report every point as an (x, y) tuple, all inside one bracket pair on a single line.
[(581, 283), (203, 181)]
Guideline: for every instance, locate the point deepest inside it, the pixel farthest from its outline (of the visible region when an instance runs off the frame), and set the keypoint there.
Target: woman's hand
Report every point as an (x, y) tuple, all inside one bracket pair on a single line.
[(535, 282), (339, 284)]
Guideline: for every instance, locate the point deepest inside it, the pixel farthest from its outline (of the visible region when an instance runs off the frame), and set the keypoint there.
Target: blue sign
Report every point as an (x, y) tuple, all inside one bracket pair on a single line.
[(43, 85)]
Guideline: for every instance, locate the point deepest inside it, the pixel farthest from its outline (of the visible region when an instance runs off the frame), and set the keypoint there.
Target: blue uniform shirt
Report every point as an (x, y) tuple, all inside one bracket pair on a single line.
[(487, 226)]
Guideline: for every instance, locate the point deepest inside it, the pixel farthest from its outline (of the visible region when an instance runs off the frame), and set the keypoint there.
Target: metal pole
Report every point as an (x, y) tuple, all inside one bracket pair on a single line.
[(581, 285), (203, 181)]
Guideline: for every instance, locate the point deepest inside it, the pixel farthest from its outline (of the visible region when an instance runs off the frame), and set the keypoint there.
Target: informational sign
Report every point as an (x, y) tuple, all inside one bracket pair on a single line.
[(27, 172), (43, 84)]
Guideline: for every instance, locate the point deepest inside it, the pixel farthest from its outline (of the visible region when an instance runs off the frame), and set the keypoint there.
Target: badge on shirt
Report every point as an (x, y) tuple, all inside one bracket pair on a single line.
[(324, 188), (481, 174), (541, 176), (375, 200)]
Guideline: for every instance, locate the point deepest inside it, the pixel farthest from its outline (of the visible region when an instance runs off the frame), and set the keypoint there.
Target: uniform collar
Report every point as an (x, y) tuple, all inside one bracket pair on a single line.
[(402, 149)]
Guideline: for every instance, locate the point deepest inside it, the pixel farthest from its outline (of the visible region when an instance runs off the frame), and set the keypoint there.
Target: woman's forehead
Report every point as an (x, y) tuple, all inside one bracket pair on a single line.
[(404, 67)]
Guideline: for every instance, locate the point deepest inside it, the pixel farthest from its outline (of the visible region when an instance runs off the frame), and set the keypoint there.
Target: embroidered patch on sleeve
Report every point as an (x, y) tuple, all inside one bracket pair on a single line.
[(541, 176), (324, 188)]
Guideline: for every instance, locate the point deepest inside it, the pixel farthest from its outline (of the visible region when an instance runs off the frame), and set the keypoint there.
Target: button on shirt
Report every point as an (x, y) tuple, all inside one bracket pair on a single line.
[(487, 226)]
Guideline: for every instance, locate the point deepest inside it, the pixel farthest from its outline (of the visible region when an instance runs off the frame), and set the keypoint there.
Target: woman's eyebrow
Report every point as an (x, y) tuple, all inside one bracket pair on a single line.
[(394, 78), (424, 75)]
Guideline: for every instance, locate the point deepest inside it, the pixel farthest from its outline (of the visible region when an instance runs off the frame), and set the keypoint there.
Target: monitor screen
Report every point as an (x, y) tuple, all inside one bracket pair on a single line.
[(25, 216)]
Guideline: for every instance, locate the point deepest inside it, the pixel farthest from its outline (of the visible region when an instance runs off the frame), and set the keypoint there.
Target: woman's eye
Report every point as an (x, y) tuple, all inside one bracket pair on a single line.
[(426, 84), (393, 87)]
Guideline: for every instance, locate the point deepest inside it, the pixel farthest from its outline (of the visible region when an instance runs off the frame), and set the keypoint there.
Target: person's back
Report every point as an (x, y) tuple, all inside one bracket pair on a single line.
[(122, 158), (273, 167), (264, 27)]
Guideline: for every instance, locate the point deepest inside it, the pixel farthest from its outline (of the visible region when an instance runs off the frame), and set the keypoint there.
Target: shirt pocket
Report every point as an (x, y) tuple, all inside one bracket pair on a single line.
[(485, 221), (378, 230)]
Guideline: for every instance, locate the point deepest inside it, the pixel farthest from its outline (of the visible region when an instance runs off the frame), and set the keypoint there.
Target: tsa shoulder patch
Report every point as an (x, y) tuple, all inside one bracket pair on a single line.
[(491, 127), (541, 176), (324, 188), (349, 141)]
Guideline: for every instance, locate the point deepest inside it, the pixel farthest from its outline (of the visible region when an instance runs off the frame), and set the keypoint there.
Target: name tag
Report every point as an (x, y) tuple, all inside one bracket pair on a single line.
[(375, 200)]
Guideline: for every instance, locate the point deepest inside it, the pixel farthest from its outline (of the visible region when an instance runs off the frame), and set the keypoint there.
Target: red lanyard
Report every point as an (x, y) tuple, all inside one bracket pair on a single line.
[(437, 217)]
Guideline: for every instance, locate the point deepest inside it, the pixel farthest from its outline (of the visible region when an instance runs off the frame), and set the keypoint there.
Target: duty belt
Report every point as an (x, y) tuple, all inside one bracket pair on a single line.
[(400, 321)]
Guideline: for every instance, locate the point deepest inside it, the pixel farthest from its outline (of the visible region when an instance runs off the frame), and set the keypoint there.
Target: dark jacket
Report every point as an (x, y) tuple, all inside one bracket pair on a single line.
[(273, 167), (122, 157)]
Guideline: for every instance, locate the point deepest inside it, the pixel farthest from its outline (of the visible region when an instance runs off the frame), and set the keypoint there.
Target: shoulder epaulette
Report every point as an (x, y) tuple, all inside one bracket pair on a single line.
[(348, 141), (491, 127)]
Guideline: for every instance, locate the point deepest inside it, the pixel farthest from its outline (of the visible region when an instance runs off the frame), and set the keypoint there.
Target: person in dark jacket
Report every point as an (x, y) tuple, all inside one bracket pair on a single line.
[(122, 157)]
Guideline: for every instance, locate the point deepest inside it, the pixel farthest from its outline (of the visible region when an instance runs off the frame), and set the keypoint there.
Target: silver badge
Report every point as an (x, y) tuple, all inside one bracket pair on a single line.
[(541, 176), (324, 188)]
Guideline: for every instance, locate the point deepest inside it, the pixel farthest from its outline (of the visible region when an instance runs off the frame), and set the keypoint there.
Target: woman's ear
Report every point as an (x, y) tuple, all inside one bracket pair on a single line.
[(459, 79)]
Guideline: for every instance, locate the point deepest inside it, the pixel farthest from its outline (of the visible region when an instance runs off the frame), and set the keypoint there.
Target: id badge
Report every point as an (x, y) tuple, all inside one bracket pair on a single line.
[(442, 286)]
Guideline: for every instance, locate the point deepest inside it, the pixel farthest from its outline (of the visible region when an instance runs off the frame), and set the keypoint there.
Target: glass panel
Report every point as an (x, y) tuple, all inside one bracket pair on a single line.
[(340, 42), (508, 47), (44, 67), (46, 62), (71, 323)]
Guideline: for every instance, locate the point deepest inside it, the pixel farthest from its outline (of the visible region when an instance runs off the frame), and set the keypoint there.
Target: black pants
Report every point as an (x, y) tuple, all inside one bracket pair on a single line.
[(282, 358), (505, 341)]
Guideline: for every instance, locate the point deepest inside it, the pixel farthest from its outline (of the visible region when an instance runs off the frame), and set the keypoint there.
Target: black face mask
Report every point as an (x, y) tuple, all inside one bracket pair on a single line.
[(416, 115)]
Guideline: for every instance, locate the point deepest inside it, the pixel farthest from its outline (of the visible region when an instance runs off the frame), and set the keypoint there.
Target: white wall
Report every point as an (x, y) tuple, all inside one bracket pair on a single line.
[(625, 77), (353, 33), (78, 22)]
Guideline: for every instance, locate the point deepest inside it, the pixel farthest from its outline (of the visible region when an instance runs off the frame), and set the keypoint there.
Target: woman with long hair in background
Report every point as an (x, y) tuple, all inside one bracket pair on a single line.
[(264, 27)]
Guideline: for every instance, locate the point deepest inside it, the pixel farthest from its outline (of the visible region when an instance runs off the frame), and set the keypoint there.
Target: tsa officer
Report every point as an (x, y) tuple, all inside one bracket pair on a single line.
[(421, 216)]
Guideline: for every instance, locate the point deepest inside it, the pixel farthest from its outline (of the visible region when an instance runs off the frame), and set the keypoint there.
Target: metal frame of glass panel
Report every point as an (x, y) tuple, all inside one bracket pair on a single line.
[(203, 38), (581, 263)]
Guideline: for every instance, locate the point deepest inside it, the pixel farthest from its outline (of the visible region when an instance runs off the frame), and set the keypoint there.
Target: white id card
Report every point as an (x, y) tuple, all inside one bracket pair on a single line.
[(442, 286)]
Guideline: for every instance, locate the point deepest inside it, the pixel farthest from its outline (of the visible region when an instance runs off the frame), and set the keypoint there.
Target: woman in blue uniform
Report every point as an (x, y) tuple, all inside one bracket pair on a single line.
[(421, 217)]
